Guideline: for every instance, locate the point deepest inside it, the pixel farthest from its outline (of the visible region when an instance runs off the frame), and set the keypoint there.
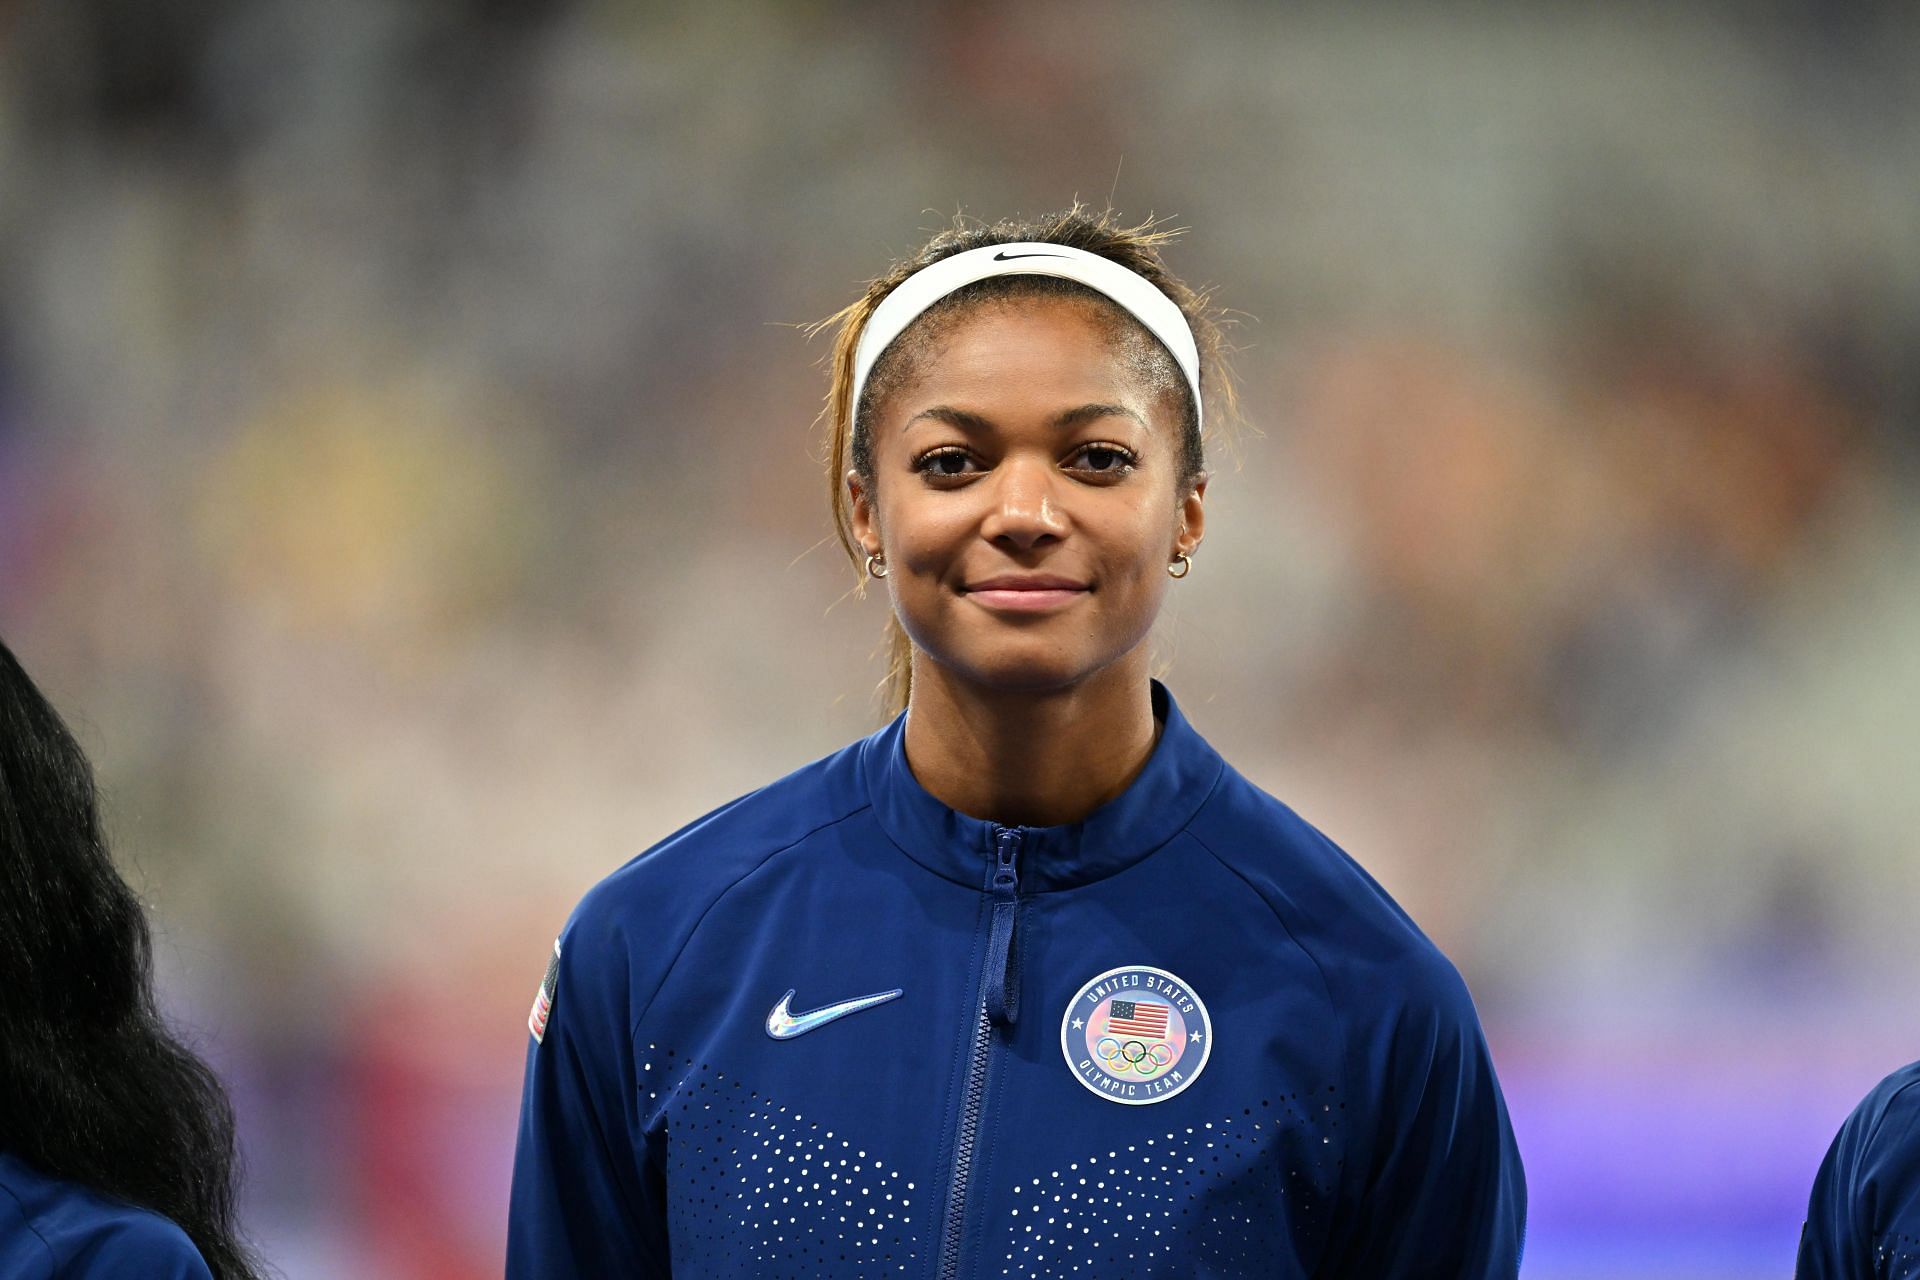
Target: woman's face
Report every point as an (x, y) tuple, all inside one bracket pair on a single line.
[(1025, 495)]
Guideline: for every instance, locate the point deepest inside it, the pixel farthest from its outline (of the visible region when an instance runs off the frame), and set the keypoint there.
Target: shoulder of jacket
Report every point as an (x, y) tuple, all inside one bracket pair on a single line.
[(1887, 1121), (683, 874), (137, 1242), (1355, 932), (24, 1252), (1898, 1096), (54, 1226)]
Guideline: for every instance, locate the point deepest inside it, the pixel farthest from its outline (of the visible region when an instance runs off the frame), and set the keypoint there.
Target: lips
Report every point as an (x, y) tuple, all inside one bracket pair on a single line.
[(1025, 593)]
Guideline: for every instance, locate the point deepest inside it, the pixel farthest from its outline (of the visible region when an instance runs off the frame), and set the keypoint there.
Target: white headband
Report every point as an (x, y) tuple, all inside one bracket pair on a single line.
[(927, 286)]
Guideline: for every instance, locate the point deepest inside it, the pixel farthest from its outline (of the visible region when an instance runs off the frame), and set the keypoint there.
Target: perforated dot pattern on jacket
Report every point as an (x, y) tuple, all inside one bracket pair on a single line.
[(758, 1189), (1897, 1257), (1193, 1198)]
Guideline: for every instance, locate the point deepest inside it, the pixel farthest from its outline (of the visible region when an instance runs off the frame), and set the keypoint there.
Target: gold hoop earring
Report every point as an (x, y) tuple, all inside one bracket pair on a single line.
[(877, 566), (1184, 564)]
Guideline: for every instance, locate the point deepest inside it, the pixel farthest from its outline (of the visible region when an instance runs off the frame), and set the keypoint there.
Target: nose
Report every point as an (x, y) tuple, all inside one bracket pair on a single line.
[(1025, 510)]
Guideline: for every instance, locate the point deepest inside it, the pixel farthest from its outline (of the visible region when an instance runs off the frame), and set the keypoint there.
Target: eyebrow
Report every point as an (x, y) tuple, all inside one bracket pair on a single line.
[(1071, 418)]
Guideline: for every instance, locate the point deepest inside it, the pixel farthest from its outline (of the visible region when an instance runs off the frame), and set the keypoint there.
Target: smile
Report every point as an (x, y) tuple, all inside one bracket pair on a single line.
[(1039, 595)]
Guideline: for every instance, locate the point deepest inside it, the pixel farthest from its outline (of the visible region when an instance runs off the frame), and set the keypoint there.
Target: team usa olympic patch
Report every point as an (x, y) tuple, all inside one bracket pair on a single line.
[(543, 998), (1136, 1035)]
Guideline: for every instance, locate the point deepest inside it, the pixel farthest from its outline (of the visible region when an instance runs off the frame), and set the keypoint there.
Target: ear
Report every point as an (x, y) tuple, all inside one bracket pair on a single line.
[(866, 529), (1193, 518)]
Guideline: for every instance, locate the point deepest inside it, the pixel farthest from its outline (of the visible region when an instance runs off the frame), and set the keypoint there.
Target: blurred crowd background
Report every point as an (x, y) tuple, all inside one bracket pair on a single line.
[(409, 490)]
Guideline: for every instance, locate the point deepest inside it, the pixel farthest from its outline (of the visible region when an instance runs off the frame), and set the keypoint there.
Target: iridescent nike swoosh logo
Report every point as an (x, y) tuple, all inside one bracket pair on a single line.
[(784, 1025)]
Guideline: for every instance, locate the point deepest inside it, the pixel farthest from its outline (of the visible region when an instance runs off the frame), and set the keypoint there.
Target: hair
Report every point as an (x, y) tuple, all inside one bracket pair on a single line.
[(93, 1086), (1137, 248)]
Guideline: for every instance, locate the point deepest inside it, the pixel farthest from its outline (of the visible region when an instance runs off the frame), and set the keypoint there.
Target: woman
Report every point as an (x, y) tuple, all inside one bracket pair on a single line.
[(1030, 982), (116, 1143)]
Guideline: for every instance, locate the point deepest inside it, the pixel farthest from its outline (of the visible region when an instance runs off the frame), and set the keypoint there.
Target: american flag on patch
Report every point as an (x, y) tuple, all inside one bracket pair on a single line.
[(543, 998), (1132, 1018)]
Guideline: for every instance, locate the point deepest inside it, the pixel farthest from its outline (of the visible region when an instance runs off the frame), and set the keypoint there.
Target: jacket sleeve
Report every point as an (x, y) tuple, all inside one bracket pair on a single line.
[(1832, 1244), (586, 1200), (1442, 1192), (1866, 1196)]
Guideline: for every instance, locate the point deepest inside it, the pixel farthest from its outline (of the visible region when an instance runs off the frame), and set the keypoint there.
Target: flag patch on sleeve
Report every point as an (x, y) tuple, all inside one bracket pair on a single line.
[(543, 998)]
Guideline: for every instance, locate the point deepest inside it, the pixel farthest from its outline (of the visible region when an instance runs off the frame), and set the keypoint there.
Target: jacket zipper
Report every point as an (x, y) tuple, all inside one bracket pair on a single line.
[(999, 1002), (1003, 954)]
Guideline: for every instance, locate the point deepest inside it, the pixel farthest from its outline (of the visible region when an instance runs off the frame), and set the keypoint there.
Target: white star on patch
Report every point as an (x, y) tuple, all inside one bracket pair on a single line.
[(1077, 1024), (1195, 1037)]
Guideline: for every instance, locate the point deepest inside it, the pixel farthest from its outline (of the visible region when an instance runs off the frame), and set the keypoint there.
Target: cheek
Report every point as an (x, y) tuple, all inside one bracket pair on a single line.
[(1143, 591), (1137, 542), (921, 536)]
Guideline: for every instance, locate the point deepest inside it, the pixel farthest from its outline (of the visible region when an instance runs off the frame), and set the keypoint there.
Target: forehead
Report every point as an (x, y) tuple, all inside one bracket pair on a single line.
[(1046, 350)]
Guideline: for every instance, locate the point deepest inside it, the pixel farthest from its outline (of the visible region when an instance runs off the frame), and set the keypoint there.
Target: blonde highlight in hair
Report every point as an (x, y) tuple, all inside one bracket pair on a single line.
[(1135, 247)]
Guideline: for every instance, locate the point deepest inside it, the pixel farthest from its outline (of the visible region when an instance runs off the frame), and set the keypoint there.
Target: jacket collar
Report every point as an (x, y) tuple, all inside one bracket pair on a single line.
[(1156, 805)]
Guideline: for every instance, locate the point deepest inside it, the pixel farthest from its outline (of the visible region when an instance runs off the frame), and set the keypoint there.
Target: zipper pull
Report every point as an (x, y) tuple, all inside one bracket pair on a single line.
[(1003, 957)]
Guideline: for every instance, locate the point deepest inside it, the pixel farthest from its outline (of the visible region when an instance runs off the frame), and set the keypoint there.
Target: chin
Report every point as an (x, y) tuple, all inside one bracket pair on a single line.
[(1027, 680), (1009, 671)]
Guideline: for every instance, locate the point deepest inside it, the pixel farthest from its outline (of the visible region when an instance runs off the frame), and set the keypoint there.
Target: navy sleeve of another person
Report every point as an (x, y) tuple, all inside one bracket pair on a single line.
[(55, 1229), (1863, 1218), (144, 1248)]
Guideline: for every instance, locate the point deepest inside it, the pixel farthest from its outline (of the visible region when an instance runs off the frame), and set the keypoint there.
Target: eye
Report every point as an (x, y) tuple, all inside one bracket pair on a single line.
[(1103, 459), (946, 463)]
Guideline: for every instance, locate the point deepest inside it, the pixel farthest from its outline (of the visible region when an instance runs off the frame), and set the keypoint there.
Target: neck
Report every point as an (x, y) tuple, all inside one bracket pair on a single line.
[(1029, 759)]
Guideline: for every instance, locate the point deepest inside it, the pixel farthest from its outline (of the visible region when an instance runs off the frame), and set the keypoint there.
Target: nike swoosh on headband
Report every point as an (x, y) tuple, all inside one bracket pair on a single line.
[(785, 1025), (1139, 296)]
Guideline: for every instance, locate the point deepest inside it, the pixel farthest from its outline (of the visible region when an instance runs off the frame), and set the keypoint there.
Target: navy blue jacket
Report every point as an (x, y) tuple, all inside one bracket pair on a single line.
[(1863, 1219), (53, 1229), (836, 1028)]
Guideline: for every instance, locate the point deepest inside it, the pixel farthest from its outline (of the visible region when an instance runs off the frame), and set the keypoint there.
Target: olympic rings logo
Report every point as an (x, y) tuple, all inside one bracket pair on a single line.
[(1122, 1057)]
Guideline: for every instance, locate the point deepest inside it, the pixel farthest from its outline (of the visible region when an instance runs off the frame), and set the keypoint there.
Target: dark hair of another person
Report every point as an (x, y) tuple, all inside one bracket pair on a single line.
[(93, 1086), (848, 444)]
